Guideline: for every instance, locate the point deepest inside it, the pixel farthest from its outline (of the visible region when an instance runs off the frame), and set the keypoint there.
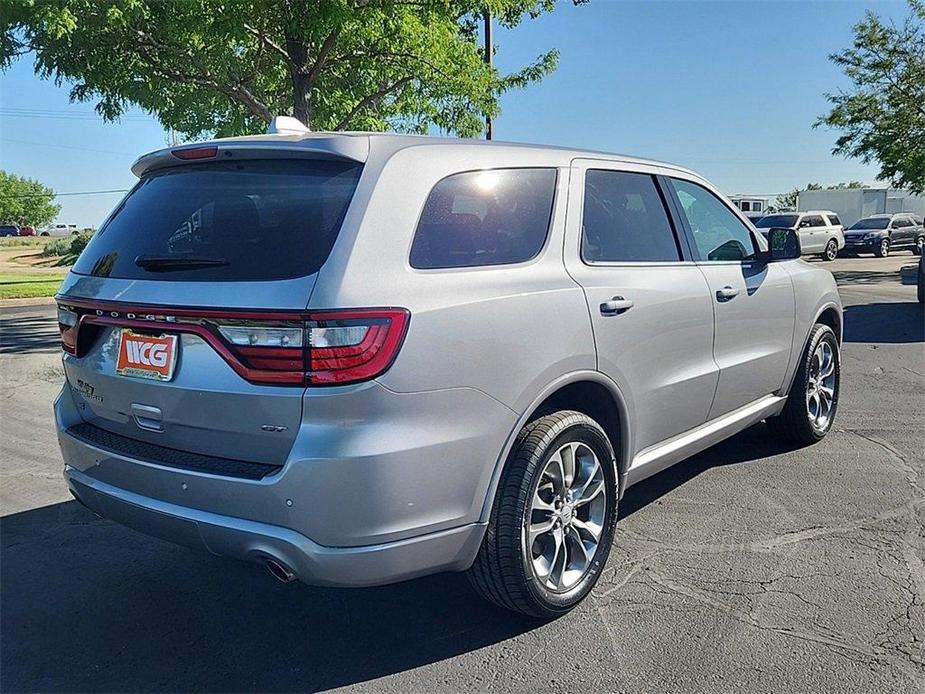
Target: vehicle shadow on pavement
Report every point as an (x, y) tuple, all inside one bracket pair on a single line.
[(28, 335), (748, 446), (891, 322), (91, 606)]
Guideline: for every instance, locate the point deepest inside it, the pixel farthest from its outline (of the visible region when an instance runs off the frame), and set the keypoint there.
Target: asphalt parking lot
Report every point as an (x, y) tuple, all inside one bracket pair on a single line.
[(750, 567)]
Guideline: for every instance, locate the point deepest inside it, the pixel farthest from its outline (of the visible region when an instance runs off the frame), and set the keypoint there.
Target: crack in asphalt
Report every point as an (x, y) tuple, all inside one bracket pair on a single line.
[(896, 644)]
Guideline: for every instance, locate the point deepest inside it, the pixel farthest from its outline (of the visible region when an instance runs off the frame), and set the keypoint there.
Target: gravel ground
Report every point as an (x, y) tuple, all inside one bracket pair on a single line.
[(750, 567)]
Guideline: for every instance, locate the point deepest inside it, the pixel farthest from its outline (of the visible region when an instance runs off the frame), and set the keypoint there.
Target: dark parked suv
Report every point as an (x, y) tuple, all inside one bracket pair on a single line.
[(881, 233)]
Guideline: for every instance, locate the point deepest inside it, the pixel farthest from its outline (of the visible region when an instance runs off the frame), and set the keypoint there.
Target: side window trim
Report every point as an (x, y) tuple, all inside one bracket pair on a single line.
[(678, 220)]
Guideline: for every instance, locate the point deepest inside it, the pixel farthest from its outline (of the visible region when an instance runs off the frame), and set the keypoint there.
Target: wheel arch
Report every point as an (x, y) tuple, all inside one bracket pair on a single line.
[(830, 316), (589, 392)]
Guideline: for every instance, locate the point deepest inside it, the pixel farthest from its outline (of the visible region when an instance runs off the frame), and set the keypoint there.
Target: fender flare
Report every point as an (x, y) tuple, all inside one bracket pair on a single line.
[(797, 355), (624, 455)]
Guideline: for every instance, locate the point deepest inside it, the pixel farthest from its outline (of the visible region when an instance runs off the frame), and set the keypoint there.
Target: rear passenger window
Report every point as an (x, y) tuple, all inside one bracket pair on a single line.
[(834, 220), (624, 220), (492, 217)]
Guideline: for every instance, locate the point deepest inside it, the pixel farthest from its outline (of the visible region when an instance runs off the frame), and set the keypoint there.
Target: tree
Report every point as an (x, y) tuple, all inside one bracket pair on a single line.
[(788, 201), (226, 68), (882, 116), (25, 201)]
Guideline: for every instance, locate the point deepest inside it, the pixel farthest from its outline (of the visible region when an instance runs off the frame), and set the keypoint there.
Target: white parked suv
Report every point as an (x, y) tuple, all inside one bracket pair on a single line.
[(821, 232), (361, 358)]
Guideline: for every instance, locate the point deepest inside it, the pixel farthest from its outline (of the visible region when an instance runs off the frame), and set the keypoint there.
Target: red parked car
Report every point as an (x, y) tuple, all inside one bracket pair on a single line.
[(27, 231)]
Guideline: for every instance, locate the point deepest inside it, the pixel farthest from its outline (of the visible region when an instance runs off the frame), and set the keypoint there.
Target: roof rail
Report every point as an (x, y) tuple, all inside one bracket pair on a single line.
[(286, 125)]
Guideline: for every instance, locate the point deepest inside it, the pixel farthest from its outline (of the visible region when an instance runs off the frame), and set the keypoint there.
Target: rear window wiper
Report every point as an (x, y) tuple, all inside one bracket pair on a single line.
[(168, 263)]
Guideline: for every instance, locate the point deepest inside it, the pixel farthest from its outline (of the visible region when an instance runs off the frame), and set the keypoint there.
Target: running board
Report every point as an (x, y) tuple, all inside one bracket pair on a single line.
[(656, 458)]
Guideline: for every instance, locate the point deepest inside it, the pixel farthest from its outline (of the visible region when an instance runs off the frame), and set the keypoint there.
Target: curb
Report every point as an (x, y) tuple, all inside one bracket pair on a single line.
[(34, 301)]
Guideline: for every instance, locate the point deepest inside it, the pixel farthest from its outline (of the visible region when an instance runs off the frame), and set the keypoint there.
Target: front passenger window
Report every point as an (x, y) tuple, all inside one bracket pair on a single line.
[(718, 233)]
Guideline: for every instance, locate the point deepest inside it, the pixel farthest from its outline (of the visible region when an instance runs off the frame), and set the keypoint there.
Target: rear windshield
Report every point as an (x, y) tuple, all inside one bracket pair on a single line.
[(871, 223), (783, 221), (250, 221)]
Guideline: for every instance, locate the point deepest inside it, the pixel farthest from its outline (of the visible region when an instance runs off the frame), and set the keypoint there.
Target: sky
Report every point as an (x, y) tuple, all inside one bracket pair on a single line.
[(729, 89)]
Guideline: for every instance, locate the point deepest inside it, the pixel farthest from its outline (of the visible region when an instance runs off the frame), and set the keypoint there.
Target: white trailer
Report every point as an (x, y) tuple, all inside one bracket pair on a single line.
[(852, 204)]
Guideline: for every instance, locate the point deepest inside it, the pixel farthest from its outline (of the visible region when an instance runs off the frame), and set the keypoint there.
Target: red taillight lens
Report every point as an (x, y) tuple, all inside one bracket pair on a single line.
[(195, 153), (351, 346), (67, 325), (329, 348)]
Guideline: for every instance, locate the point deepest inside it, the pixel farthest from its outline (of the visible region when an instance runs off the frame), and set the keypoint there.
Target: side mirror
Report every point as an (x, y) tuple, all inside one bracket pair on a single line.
[(783, 244)]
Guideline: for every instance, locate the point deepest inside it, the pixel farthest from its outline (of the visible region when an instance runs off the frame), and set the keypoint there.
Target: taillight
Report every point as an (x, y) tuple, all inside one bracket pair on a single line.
[(350, 346), (67, 326), (317, 348)]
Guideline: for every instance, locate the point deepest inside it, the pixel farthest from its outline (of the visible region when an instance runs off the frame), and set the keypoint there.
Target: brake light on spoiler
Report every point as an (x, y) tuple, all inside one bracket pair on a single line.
[(333, 347)]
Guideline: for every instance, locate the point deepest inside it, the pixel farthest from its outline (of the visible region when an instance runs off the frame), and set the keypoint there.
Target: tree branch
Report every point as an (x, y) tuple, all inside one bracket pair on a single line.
[(372, 99), (268, 42)]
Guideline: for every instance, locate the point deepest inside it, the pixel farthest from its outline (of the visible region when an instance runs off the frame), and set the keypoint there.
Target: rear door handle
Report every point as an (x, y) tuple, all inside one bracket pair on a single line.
[(616, 306), (726, 293)]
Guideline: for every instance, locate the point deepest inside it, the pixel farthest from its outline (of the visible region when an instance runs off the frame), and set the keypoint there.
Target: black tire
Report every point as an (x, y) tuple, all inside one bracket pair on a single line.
[(919, 245), (503, 573), (831, 251), (883, 248), (793, 423), (44, 233)]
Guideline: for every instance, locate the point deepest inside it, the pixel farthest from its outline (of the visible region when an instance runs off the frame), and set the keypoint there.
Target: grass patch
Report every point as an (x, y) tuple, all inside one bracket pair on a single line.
[(29, 285), (25, 241)]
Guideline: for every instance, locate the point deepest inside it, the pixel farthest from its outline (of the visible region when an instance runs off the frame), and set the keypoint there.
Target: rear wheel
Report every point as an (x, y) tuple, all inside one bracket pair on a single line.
[(553, 518), (831, 250), (919, 245), (813, 398), (883, 248)]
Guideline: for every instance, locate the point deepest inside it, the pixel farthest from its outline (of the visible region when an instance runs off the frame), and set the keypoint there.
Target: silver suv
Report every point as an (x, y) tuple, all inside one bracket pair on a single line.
[(821, 232), (362, 358)]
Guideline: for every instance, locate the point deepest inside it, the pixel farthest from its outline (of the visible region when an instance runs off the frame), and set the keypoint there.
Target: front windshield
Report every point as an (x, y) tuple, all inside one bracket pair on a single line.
[(871, 223), (777, 220)]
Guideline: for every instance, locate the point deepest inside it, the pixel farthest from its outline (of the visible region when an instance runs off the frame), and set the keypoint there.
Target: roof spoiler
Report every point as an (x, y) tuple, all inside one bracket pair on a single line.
[(281, 145)]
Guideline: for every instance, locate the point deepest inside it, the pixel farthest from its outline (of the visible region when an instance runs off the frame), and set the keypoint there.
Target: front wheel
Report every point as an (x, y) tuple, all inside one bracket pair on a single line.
[(883, 249), (813, 398), (831, 250), (553, 518), (919, 246)]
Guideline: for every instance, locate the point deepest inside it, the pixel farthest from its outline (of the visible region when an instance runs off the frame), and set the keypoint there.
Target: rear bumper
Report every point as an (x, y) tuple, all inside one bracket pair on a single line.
[(450, 550), (371, 493)]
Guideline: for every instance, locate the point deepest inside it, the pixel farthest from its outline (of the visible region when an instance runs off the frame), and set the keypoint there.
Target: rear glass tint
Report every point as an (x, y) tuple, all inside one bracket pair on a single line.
[(247, 221), (493, 217)]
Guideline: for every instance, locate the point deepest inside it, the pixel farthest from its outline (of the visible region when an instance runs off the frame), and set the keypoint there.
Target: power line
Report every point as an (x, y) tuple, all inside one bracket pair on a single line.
[(66, 114), (77, 147), (59, 195)]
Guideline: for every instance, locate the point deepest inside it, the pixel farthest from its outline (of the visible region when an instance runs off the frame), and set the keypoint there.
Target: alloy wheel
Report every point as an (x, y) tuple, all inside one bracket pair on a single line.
[(831, 250), (565, 519), (820, 386)]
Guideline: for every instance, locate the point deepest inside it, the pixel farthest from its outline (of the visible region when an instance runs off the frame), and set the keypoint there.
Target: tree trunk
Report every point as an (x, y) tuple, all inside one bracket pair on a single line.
[(298, 55)]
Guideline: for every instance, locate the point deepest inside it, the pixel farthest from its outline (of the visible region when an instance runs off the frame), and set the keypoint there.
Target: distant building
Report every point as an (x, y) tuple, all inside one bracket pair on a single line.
[(852, 204)]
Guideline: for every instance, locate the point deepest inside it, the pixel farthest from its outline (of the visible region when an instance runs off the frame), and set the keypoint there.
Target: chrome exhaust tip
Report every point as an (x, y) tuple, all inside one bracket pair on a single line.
[(279, 571)]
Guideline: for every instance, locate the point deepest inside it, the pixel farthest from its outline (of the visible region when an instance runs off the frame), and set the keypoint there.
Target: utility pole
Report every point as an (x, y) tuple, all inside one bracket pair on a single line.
[(488, 61)]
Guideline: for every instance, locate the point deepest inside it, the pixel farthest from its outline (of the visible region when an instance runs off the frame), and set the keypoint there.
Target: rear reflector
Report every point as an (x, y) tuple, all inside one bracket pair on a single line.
[(195, 153), (316, 348)]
